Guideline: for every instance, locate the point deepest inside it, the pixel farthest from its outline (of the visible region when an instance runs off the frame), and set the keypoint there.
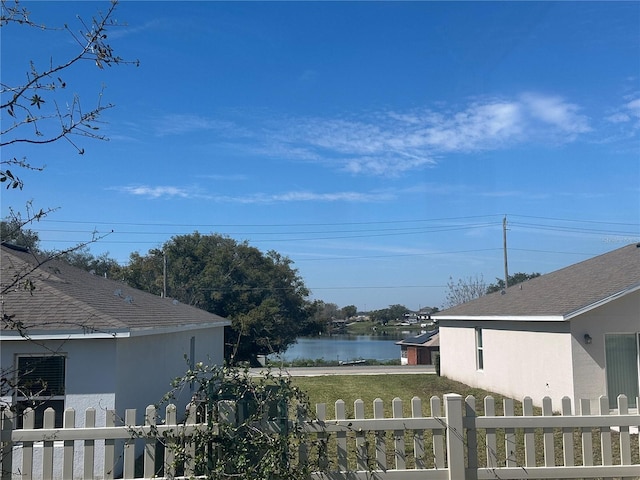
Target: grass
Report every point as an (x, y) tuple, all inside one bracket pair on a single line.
[(328, 389), (368, 327)]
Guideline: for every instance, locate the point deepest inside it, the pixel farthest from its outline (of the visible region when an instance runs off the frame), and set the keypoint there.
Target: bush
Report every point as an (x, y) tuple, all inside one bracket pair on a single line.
[(251, 429)]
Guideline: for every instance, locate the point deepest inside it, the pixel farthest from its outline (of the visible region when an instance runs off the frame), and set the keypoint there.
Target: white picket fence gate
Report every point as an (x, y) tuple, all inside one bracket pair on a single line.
[(453, 443)]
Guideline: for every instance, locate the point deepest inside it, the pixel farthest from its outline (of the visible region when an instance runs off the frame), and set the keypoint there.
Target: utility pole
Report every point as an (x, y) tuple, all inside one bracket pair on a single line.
[(504, 245)]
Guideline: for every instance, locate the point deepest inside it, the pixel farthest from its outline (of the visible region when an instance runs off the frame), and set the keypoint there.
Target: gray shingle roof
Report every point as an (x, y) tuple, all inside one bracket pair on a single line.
[(70, 299), (561, 293)]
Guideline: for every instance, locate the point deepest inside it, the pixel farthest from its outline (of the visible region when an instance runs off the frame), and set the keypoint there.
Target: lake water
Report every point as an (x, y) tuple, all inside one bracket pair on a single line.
[(345, 348)]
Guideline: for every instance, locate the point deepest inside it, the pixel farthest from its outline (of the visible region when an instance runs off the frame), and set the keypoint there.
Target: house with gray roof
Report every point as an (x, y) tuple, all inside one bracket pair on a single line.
[(573, 332), (80, 340), (419, 349)]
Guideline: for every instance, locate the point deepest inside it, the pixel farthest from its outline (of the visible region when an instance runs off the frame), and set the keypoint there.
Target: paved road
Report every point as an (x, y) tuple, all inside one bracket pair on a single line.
[(354, 370)]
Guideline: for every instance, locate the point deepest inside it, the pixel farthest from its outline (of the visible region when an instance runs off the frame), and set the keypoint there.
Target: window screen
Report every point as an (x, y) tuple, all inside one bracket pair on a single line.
[(41, 376), (40, 384)]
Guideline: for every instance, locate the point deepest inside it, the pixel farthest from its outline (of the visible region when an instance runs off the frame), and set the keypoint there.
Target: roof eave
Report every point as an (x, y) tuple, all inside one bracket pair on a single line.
[(510, 318), (97, 334), (63, 335), (602, 302)]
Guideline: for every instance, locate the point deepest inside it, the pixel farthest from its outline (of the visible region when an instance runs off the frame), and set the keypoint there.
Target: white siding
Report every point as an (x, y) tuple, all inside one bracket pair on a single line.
[(89, 383), (458, 355), (146, 365), (89, 366), (517, 363), (137, 371)]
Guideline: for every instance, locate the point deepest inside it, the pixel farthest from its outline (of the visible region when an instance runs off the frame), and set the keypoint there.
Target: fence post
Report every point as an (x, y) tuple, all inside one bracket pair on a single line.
[(149, 462), (69, 421), (89, 445), (455, 435), (6, 445), (48, 423), (472, 436), (398, 436), (625, 438), (129, 452)]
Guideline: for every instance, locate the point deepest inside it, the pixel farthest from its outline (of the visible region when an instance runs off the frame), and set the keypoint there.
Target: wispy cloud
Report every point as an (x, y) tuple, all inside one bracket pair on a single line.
[(130, 30), (156, 192), (555, 112), (628, 113), (239, 177), (179, 124), (392, 143), (307, 196), (164, 192)]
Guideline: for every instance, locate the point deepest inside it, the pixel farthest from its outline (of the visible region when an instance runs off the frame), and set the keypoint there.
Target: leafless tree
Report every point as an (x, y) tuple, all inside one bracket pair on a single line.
[(464, 289), (33, 111)]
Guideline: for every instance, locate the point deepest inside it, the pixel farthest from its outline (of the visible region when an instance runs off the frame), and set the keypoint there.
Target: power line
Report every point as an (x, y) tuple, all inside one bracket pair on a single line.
[(575, 220), (396, 255), (558, 228), (423, 229), (353, 233), (377, 222)]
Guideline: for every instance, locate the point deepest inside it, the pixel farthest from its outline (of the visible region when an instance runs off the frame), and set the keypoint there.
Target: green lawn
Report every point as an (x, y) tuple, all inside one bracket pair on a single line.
[(374, 328), (367, 388)]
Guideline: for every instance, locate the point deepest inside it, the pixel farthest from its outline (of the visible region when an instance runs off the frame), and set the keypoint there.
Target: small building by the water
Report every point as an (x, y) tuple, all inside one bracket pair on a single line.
[(338, 326), (420, 349)]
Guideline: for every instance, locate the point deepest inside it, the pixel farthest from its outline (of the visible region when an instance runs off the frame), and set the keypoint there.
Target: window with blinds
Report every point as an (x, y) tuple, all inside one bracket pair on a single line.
[(40, 384)]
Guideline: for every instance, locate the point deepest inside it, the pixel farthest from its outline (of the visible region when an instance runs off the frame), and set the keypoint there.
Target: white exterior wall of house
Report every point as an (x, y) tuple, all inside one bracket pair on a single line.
[(517, 362), (90, 379), (89, 376), (89, 383), (589, 366), (146, 365), (458, 354), (109, 373)]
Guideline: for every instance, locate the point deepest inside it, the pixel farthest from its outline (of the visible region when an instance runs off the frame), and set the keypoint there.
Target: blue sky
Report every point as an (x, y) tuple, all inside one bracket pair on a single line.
[(379, 145)]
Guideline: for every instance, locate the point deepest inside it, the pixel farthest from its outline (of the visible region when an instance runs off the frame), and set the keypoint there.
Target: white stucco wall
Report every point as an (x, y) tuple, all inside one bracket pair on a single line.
[(146, 365), (89, 383), (89, 378), (620, 316), (136, 370), (517, 363)]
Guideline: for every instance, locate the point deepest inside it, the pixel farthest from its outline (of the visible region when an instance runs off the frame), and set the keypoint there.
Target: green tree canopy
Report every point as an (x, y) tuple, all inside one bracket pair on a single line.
[(101, 265), (514, 279), (12, 231), (391, 313), (261, 293), (349, 311)]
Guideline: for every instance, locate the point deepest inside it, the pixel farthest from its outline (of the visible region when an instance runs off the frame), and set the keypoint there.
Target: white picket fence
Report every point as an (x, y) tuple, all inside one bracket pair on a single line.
[(452, 443)]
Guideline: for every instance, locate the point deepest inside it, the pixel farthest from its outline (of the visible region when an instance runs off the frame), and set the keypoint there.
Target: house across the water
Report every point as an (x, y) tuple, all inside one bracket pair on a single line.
[(420, 349)]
